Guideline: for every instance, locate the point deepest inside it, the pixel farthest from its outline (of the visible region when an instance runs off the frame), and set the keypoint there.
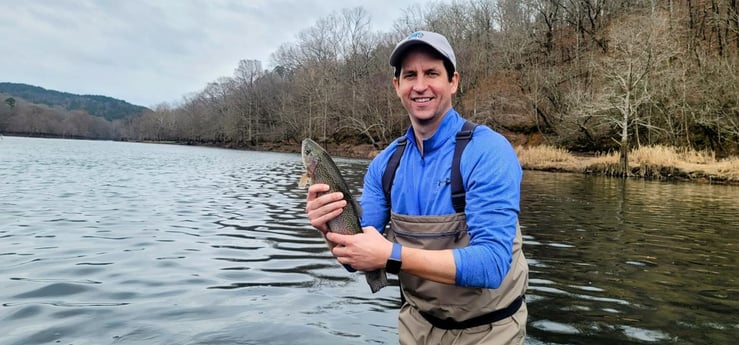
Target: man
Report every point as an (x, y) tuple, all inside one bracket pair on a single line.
[(462, 271)]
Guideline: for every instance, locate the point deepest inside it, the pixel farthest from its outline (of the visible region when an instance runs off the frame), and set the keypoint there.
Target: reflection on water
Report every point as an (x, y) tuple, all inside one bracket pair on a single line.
[(126, 243), (631, 262)]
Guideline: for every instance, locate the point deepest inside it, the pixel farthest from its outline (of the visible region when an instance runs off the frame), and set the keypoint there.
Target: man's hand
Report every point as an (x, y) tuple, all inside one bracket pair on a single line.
[(367, 251), (322, 206)]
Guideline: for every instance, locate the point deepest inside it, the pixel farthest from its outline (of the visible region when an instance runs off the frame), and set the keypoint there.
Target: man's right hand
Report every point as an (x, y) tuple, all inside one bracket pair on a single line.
[(322, 206)]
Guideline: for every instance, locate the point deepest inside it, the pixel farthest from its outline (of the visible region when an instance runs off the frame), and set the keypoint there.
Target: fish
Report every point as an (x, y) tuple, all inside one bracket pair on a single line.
[(321, 168)]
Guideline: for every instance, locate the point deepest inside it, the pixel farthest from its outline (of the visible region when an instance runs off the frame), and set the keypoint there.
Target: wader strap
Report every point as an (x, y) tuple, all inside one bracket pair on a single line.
[(392, 166), (458, 193), (387, 180), (475, 321)]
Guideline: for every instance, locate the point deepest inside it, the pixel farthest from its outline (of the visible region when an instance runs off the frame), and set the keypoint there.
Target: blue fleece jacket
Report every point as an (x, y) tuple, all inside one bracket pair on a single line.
[(492, 177)]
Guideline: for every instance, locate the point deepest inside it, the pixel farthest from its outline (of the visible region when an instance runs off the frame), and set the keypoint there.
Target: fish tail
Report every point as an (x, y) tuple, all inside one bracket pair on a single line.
[(377, 279)]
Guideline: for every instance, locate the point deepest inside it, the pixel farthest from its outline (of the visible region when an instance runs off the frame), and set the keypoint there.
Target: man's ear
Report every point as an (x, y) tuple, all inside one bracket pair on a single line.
[(455, 82), (396, 85)]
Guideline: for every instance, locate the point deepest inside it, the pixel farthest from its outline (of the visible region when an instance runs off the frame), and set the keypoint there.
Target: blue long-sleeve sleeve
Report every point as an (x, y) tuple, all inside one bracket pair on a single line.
[(493, 179), (375, 209)]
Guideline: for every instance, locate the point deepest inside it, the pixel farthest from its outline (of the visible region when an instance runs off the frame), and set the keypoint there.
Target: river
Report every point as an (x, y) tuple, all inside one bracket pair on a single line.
[(131, 243)]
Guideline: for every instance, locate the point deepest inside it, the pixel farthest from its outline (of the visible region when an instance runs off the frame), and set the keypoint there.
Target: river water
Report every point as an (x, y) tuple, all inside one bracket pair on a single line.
[(131, 243)]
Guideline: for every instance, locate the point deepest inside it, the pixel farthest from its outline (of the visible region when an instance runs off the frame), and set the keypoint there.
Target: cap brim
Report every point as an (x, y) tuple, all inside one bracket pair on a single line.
[(399, 51)]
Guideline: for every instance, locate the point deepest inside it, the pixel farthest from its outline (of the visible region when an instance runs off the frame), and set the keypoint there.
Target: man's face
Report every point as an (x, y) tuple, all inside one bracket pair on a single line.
[(424, 87)]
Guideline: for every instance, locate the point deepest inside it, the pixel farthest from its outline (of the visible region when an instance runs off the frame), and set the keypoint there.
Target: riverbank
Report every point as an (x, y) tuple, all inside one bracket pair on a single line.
[(653, 162)]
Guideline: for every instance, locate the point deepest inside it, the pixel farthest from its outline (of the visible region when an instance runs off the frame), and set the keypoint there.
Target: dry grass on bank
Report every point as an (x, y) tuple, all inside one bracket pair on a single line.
[(651, 162), (545, 157)]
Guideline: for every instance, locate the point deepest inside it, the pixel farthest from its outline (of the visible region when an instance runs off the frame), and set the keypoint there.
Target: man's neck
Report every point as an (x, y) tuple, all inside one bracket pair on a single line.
[(424, 130)]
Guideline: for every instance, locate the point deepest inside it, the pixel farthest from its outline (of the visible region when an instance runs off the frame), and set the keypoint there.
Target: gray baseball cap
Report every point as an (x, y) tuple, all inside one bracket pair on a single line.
[(431, 39)]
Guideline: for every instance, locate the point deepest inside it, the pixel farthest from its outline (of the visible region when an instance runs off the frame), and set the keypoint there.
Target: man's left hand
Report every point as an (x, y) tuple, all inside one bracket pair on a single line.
[(367, 251)]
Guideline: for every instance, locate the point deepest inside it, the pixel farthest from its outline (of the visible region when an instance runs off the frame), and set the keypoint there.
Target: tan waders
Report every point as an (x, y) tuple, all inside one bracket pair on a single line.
[(435, 313)]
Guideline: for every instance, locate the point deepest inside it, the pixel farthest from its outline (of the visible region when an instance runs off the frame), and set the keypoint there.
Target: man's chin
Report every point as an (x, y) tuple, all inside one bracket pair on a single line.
[(422, 114)]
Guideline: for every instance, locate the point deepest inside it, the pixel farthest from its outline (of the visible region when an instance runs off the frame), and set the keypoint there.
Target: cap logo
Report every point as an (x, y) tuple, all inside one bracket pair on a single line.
[(415, 35)]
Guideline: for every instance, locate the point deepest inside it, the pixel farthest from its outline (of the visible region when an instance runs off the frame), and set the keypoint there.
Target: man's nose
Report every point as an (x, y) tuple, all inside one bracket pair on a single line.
[(420, 84)]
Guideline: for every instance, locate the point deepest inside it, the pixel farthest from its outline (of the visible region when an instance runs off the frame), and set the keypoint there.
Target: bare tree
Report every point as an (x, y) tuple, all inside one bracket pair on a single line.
[(626, 70), (244, 119)]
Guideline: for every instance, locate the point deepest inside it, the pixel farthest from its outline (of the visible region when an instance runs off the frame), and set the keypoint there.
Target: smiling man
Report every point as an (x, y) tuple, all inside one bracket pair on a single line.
[(450, 191)]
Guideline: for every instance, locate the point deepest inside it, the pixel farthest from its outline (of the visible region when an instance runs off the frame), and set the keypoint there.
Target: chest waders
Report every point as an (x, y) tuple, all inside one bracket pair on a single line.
[(446, 306)]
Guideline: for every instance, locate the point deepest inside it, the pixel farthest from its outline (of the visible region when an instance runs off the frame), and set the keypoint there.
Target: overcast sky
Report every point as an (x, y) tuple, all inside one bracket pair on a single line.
[(149, 52)]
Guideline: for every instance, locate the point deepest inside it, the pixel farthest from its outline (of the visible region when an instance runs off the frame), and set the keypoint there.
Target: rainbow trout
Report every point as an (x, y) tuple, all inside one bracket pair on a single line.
[(320, 168)]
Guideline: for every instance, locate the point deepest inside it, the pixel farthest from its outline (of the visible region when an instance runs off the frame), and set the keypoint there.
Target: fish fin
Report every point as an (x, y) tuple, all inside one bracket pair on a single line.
[(304, 181), (356, 207)]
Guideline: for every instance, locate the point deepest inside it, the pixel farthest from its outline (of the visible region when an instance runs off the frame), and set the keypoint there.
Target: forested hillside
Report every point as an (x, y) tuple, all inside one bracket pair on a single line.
[(33, 110), (102, 106), (587, 75)]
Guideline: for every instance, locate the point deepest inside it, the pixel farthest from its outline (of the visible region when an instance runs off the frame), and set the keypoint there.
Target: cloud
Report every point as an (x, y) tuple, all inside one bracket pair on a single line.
[(148, 52)]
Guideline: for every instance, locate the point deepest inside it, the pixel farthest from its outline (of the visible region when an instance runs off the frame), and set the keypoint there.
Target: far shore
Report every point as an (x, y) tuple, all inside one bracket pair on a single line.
[(649, 162)]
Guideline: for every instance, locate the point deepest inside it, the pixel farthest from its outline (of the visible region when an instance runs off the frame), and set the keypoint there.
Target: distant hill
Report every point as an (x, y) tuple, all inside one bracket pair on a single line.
[(101, 106)]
